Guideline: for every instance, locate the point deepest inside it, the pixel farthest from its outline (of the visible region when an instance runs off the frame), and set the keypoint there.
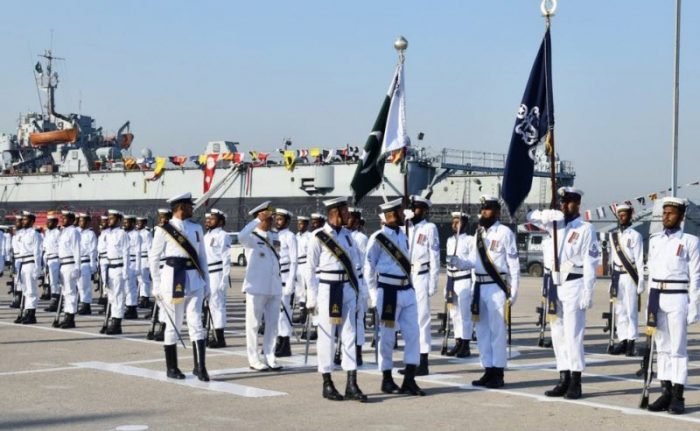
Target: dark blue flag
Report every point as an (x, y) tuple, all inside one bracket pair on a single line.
[(534, 126)]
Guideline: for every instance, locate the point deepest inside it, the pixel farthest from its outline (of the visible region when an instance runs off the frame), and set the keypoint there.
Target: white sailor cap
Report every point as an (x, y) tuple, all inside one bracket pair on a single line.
[(570, 192), (391, 205), (141, 218), (27, 214), (623, 207), (207, 215), (164, 211), (83, 215), (317, 216), (458, 214), (114, 212), (52, 216), (67, 213), (129, 217), (382, 218), (284, 212), (181, 198), (420, 201), (355, 210), (103, 217), (489, 201), (218, 213), (672, 201), (302, 218), (262, 207), (335, 202)]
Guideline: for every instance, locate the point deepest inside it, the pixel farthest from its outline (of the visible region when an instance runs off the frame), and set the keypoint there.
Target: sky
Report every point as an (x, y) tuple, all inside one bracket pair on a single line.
[(188, 72)]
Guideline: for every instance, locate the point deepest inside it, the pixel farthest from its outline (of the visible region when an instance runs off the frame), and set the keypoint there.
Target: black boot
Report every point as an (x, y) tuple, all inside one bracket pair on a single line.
[(664, 400), (329, 390), (677, 406), (45, 294), (68, 321), (131, 313), (574, 391), (631, 351), (53, 305), (496, 380), (453, 351), (422, 369), (217, 342), (159, 335), (17, 301), (352, 391), (173, 371), (29, 317), (388, 385), (285, 347), (464, 352), (358, 356), (619, 348), (199, 352), (114, 327), (19, 317), (144, 302), (84, 309), (409, 385), (560, 389), (488, 374)]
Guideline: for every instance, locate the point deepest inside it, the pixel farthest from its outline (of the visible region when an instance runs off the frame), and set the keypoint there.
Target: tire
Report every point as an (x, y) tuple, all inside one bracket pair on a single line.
[(241, 260), (535, 269)]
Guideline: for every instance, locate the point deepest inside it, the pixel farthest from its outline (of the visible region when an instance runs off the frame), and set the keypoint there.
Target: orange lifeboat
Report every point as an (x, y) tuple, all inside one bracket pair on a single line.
[(54, 137)]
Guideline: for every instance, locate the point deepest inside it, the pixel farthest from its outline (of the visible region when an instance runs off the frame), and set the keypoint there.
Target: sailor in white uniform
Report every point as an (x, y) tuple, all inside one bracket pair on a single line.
[(28, 262), (69, 258), (217, 243), (627, 249), (424, 252), (116, 246), (354, 223), (262, 286), (182, 282), (387, 272), (571, 292), (88, 263), (50, 248), (458, 290), (133, 267), (144, 275), (333, 291), (303, 236), (674, 302), (288, 273), (103, 263)]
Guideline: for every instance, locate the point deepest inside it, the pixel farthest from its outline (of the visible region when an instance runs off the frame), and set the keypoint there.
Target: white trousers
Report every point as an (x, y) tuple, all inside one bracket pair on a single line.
[(406, 319), (27, 284), (103, 272), (360, 324), (132, 288), (672, 338), (420, 284), (626, 314), (144, 279), (567, 329), (192, 305), (460, 312), (300, 285), (54, 276), (257, 306), (69, 289), (284, 327), (325, 346), (116, 293), (217, 299), (85, 283), (491, 329)]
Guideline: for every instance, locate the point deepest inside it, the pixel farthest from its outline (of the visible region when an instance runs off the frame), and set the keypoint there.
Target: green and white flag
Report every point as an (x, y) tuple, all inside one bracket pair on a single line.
[(388, 134)]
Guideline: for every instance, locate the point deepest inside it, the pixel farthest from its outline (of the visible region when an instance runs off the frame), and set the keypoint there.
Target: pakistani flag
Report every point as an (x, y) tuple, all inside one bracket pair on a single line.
[(388, 134), (534, 126)]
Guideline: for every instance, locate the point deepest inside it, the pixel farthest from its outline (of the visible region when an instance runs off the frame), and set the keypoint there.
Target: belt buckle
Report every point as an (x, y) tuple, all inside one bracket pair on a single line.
[(403, 282)]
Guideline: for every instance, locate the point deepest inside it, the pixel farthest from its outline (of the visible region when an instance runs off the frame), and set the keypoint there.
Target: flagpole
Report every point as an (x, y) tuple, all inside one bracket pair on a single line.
[(400, 45), (674, 164)]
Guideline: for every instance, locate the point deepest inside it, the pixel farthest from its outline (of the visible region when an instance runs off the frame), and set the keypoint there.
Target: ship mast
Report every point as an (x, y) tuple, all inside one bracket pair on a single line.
[(49, 82)]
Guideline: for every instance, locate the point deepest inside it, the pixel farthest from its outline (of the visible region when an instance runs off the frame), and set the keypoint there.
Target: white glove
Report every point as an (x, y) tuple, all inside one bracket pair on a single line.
[(372, 300), (310, 304), (513, 297), (693, 313), (586, 301), (452, 261), (408, 214), (431, 290), (75, 273), (641, 287), (287, 289)]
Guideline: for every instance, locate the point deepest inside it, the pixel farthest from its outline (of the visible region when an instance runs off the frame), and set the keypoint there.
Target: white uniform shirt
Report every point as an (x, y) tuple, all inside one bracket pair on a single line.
[(424, 250), (361, 241), (69, 245), (217, 244), (303, 239), (102, 243), (262, 276), (16, 246), (165, 246), (88, 247), (500, 244), (633, 246), (378, 261), (675, 256), (465, 246), (116, 245), (134, 250), (8, 245), (146, 241), (50, 245), (319, 259), (288, 258), (29, 247)]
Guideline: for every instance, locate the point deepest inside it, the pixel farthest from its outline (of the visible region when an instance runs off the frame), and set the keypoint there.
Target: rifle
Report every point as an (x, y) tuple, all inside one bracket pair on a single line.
[(57, 319), (108, 312), (542, 313), (647, 371), (307, 329), (210, 325), (154, 319), (610, 324), (448, 296), (376, 335), (172, 322), (21, 310), (445, 339)]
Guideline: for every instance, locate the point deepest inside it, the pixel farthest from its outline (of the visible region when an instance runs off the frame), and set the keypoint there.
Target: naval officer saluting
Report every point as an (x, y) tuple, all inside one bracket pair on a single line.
[(183, 282)]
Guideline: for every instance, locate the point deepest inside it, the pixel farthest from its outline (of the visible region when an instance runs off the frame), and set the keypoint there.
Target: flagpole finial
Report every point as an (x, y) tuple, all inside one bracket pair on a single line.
[(400, 44), (548, 7)]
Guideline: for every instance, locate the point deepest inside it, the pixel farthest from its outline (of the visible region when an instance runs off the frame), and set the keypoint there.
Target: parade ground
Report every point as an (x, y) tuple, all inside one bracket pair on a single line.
[(78, 379)]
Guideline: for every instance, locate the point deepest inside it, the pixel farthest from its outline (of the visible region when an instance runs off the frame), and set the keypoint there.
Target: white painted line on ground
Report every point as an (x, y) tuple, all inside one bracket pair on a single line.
[(40, 370), (190, 381)]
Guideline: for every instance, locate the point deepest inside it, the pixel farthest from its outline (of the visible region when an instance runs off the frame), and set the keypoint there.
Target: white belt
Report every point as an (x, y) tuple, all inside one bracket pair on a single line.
[(393, 281), (332, 278), (669, 284), (419, 266), (457, 273)]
